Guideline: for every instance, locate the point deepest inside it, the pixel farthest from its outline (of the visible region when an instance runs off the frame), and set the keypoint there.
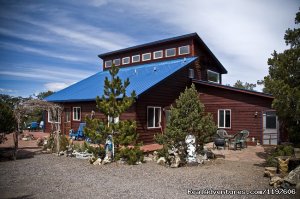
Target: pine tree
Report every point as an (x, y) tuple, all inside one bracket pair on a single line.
[(187, 117), (283, 82), (112, 104)]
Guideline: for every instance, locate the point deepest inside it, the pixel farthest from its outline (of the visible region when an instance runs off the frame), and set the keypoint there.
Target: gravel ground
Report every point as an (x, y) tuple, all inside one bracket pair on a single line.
[(49, 176)]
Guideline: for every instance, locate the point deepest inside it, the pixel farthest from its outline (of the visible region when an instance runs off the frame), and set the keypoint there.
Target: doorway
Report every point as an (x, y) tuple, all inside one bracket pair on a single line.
[(270, 128)]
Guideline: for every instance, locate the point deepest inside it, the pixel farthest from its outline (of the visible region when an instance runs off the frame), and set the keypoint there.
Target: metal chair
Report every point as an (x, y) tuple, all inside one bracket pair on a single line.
[(245, 135)]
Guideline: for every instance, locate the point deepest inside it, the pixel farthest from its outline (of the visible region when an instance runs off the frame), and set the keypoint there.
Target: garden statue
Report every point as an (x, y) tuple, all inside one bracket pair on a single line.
[(190, 141), (109, 149)]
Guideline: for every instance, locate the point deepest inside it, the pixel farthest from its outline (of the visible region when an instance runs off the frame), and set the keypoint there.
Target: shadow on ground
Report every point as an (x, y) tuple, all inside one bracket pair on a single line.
[(23, 197), (6, 154)]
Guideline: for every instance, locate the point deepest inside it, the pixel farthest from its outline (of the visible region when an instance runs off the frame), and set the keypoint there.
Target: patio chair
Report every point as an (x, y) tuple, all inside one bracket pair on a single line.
[(236, 141), (33, 126), (223, 134), (79, 133), (245, 135)]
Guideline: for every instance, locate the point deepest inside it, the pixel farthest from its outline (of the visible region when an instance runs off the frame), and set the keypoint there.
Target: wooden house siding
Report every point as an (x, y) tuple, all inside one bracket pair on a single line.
[(243, 108)]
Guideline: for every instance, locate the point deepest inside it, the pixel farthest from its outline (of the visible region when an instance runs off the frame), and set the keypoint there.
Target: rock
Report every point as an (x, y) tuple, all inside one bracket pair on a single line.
[(270, 171), (210, 155), (161, 161), (121, 161), (98, 162), (61, 153), (25, 139), (40, 141), (148, 159), (138, 163), (293, 177), (200, 159), (298, 190), (175, 161), (276, 181)]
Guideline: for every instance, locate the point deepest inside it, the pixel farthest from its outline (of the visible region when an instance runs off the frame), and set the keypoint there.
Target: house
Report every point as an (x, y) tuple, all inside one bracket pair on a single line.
[(159, 71)]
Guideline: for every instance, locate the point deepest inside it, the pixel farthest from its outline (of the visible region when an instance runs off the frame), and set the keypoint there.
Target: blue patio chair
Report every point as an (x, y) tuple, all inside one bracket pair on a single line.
[(79, 133), (33, 126)]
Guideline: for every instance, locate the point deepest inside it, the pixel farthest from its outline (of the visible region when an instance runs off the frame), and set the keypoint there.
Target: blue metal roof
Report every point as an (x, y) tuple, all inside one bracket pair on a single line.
[(141, 77)]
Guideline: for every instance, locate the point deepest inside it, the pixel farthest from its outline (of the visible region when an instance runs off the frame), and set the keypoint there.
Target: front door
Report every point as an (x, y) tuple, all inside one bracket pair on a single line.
[(67, 122), (270, 128)]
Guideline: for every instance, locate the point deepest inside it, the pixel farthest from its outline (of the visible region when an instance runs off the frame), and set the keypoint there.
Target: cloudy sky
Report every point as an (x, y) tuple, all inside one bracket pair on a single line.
[(48, 45)]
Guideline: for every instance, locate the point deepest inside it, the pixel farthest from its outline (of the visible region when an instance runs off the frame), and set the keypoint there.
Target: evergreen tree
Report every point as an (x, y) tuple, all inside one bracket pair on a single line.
[(112, 104), (283, 82), (187, 117), (246, 85), (7, 121)]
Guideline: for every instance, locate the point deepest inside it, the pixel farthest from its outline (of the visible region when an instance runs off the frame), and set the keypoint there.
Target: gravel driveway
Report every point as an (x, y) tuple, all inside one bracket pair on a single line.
[(49, 176)]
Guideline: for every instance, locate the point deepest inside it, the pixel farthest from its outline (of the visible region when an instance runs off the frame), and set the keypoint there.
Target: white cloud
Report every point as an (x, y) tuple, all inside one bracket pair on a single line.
[(47, 53), (56, 86), (5, 90)]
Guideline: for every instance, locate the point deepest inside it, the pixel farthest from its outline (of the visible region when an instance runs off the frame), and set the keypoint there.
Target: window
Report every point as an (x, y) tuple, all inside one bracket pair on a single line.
[(76, 113), (135, 58), (170, 52), (184, 50), (117, 62), (271, 120), (126, 60), (224, 118), (108, 63), (115, 121), (56, 118), (153, 117), (67, 115), (158, 54), (146, 56), (213, 76)]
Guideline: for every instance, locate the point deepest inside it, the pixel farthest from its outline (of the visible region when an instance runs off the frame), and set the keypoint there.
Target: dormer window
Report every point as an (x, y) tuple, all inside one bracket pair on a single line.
[(213, 76), (135, 58), (108, 63), (146, 56), (117, 62), (125, 60), (158, 54), (170, 52), (183, 50)]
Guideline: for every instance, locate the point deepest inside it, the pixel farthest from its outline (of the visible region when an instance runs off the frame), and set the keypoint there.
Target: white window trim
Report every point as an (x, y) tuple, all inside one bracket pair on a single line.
[(106, 64), (124, 59), (161, 51), (59, 118), (115, 63), (188, 46), (135, 56), (159, 122), (224, 118), (74, 114), (214, 73), (170, 55), (146, 54)]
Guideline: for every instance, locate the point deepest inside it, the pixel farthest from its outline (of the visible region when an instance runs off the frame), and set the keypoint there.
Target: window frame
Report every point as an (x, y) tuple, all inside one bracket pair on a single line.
[(67, 115), (224, 110), (218, 82), (50, 116), (115, 63), (144, 55), (166, 54), (73, 115), (188, 47), (123, 63), (135, 56), (162, 54), (105, 63), (154, 121)]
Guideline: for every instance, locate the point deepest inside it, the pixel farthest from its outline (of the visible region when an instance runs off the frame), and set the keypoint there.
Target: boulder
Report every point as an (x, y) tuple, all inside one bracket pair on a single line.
[(148, 159), (276, 181), (270, 171), (200, 159), (175, 161), (293, 177), (161, 161), (98, 162), (283, 165), (155, 155)]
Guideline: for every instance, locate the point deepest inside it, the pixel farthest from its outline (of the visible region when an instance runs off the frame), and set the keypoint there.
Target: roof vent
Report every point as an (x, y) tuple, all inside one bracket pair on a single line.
[(154, 69)]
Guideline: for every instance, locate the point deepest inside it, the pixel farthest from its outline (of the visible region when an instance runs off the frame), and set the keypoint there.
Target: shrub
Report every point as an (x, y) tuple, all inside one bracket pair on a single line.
[(281, 150), (130, 155)]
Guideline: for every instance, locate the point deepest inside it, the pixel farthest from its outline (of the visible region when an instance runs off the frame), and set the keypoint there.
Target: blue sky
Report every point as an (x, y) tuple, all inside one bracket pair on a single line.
[(48, 45)]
